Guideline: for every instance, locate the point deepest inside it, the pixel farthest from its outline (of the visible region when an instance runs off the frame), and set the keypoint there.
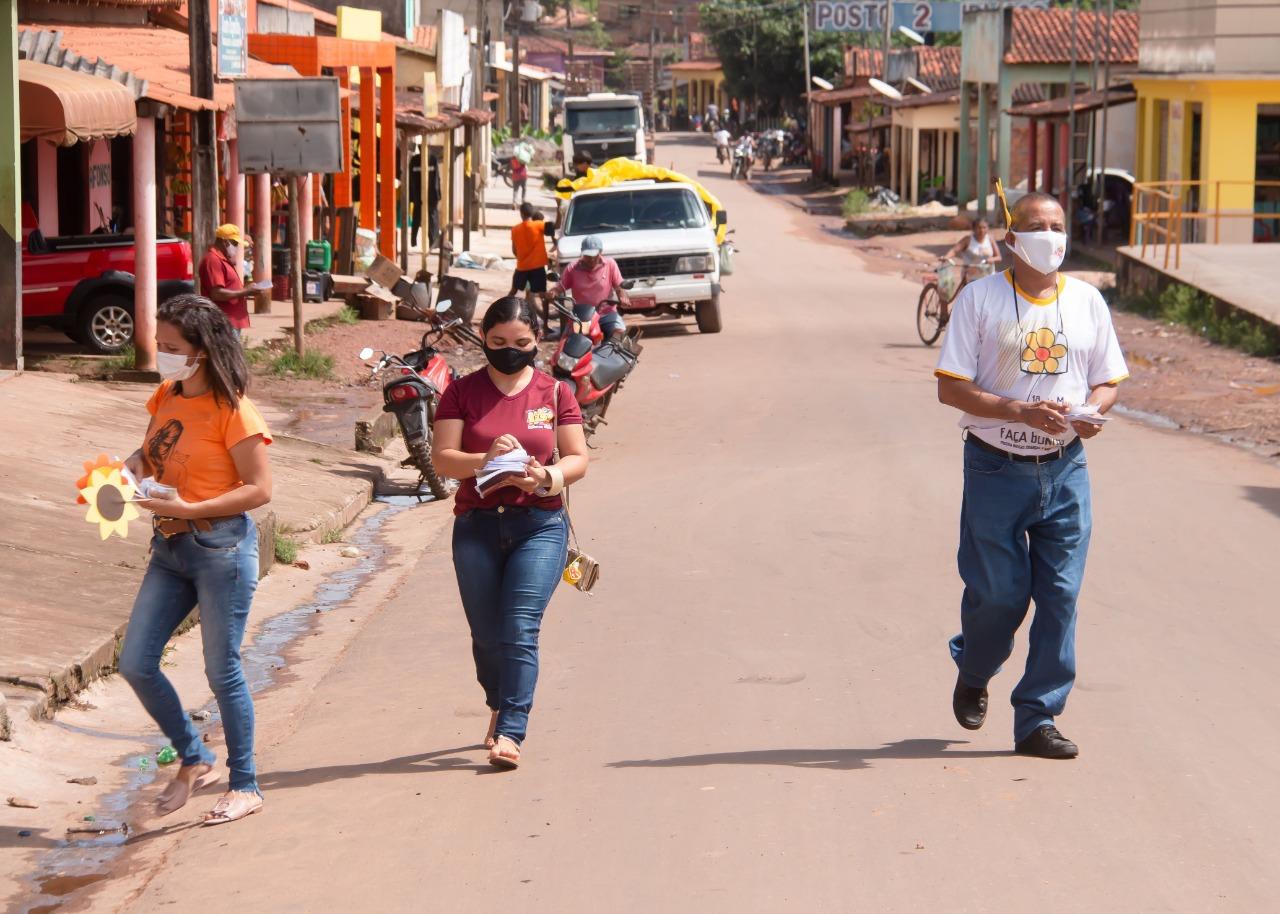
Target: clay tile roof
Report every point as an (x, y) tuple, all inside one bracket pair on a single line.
[(939, 68), (695, 66), (1044, 36), (545, 44), (146, 4)]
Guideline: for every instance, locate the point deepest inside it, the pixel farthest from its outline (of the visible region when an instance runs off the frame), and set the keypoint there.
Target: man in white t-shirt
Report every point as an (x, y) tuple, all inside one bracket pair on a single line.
[(1032, 361)]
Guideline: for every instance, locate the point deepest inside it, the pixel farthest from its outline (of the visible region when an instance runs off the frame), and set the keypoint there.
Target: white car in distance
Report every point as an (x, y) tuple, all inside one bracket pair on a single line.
[(664, 240)]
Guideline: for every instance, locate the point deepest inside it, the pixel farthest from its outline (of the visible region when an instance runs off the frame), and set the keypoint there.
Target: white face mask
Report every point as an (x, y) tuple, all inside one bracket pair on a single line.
[(1042, 251), (174, 367)]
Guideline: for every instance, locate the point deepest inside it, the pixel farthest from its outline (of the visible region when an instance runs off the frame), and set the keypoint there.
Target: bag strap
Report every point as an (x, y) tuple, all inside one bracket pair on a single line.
[(555, 455)]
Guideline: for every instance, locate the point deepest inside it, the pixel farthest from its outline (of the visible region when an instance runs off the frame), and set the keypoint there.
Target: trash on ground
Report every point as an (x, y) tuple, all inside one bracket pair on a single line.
[(200, 714), (22, 803), (303, 564), (350, 552), (167, 756), (83, 782)]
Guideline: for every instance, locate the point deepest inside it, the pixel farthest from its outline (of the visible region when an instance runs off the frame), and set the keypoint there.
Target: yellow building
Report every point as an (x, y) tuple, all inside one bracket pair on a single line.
[(1209, 113)]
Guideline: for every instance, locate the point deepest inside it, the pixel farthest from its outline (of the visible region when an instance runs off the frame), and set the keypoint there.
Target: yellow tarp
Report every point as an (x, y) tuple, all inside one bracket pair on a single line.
[(621, 169)]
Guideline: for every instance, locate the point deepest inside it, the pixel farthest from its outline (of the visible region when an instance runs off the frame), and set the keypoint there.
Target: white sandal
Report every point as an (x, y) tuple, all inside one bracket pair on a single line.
[(178, 791), (500, 759), (232, 805), (493, 725)]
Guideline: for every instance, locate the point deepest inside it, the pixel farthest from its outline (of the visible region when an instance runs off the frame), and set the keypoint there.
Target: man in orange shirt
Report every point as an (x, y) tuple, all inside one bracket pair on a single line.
[(528, 244)]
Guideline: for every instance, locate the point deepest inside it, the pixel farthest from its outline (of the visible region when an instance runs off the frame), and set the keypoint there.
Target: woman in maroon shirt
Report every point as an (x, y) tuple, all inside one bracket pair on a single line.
[(511, 544)]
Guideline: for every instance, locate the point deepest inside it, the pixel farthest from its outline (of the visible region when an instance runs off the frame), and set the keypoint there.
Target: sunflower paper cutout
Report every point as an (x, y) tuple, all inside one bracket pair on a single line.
[(108, 494), (1045, 352)]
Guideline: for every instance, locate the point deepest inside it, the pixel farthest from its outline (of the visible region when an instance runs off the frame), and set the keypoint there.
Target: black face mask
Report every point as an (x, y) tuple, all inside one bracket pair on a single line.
[(510, 360)]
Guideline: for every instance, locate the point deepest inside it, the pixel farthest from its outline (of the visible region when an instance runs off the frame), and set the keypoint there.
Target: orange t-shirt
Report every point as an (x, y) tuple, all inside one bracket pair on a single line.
[(527, 239), (188, 444)]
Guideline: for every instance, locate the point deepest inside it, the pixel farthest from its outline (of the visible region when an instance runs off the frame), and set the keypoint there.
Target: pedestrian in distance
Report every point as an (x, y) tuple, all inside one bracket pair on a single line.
[(592, 279), (529, 246), (519, 181), (510, 546), (1028, 353), (207, 443), (220, 279), (582, 164)]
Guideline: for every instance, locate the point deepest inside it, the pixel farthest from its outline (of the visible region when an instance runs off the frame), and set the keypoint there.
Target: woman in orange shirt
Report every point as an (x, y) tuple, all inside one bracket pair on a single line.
[(207, 444)]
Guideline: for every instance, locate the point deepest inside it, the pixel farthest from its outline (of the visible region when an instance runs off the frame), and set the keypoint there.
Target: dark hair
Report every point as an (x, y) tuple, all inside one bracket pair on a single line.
[(977, 222), (582, 158), (511, 308), (527, 211), (1026, 201), (203, 325)]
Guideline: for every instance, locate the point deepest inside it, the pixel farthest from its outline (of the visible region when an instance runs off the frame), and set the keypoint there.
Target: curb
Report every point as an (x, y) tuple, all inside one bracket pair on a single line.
[(41, 698)]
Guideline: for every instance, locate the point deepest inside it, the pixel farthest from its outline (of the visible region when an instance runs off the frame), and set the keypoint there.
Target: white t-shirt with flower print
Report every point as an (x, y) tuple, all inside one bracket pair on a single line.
[(1014, 345)]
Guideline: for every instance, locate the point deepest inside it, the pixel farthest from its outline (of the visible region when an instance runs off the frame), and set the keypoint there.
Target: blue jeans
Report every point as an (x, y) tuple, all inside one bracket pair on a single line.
[(218, 569), (508, 562), (1024, 535)]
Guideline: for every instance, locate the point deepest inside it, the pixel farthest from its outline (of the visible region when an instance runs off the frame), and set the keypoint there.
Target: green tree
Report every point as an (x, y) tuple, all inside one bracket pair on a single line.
[(761, 46)]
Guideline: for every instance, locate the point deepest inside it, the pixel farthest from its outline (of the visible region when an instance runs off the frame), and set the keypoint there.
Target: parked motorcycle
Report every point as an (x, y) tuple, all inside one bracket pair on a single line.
[(596, 367), (771, 147)]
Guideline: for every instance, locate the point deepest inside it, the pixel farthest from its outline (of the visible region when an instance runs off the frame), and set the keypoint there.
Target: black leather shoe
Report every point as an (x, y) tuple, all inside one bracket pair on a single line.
[(1047, 742), (969, 705)]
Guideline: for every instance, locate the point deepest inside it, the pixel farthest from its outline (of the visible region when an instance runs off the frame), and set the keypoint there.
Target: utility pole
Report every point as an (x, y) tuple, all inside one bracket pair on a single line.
[(296, 252), (515, 72), (204, 160), (568, 27), (808, 74), (10, 198), (1106, 106), (653, 68), (1071, 120)]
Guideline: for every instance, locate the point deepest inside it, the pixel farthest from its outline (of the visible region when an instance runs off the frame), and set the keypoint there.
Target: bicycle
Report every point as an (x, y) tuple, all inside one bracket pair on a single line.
[(941, 287)]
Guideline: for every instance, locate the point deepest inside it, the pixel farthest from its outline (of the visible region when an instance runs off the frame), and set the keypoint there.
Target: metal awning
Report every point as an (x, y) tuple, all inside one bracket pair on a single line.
[(65, 107), (1084, 103)]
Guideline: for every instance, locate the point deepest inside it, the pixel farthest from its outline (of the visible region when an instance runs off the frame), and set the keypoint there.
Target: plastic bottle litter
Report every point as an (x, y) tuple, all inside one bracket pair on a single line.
[(167, 756), (350, 552), (144, 763)]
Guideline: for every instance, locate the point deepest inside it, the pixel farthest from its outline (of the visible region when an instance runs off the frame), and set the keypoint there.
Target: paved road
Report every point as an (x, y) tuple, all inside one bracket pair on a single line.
[(753, 715)]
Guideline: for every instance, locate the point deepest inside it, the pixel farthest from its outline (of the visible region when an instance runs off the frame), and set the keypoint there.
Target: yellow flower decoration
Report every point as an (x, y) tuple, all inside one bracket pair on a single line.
[(108, 496), (1046, 352)]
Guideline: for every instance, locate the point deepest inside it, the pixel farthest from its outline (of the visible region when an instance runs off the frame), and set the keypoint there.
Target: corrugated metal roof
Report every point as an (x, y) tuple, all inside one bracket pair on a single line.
[(152, 62)]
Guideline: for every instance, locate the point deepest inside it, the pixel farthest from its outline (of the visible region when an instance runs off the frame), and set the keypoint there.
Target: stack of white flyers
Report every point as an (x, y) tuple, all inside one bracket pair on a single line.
[(1086, 412), (500, 469)]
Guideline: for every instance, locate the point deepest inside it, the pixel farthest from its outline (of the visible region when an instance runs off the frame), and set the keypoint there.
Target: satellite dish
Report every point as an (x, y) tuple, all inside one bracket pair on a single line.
[(822, 83), (919, 85), (885, 89), (911, 34)]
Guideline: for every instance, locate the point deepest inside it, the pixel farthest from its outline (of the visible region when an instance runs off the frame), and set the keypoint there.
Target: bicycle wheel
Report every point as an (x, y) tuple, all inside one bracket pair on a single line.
[(929, 314)]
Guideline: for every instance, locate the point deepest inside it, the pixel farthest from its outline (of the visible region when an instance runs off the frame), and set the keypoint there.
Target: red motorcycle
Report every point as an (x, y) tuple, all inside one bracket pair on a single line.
[(596, 367), (412, 386)]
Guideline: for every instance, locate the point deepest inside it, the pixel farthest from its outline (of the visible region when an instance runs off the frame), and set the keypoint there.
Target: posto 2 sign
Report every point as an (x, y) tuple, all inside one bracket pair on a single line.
[(920, 15), (861, 16)]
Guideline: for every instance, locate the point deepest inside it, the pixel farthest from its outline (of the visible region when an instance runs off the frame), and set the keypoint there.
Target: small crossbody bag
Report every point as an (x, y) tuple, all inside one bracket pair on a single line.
[(581, 570)]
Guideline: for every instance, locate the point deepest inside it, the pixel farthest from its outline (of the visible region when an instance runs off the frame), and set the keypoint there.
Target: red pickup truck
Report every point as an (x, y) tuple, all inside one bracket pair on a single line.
[(83, 284)]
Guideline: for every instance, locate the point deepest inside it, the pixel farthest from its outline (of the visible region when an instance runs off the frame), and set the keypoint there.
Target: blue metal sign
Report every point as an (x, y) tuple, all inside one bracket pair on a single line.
[(233, 41), (920, 15)]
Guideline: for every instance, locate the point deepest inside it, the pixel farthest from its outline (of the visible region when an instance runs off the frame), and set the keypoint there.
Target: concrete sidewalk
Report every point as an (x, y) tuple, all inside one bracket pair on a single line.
[(67, 594)]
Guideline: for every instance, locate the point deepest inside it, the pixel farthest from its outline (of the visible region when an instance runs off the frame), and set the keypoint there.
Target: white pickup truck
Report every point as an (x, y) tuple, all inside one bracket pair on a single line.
[(662, 237)]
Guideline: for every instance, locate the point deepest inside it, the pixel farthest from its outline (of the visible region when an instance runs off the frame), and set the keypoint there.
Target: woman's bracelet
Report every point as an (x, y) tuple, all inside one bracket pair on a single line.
[(555, 483)]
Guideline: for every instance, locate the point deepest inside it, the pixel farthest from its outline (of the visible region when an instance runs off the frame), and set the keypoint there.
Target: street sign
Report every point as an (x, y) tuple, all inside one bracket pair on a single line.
[(918, 15), (289, 126), (233, 45)]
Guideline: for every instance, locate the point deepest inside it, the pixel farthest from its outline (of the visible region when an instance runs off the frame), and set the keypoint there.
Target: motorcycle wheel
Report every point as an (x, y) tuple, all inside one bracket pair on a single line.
[(439, 486), (929, 314)]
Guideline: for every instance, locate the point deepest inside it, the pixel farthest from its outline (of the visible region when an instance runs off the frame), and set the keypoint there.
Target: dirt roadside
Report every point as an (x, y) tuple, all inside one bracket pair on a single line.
[(1177, 380), (303, 619)]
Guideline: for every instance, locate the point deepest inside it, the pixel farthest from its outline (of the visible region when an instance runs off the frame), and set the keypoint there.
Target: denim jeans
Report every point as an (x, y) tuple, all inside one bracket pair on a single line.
[(508, 561), (218, 569), (1024, 535)]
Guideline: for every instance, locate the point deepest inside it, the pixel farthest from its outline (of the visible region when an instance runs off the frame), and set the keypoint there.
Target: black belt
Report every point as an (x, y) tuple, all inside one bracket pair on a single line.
[(1025, 458)]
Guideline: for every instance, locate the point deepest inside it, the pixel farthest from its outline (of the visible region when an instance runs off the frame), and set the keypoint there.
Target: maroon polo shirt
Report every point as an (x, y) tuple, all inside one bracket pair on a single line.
[(216, 272)]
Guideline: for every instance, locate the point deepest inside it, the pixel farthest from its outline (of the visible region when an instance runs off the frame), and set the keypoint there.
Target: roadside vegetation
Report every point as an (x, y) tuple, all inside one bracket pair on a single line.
[(856, 202), (1185, 305)]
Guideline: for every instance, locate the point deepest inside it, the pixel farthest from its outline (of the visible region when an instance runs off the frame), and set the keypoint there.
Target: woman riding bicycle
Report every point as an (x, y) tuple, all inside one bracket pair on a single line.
[(977, 247)]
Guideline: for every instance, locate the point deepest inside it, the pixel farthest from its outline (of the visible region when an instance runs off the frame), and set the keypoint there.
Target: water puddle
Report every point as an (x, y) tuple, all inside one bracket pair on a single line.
[(92, 845)]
